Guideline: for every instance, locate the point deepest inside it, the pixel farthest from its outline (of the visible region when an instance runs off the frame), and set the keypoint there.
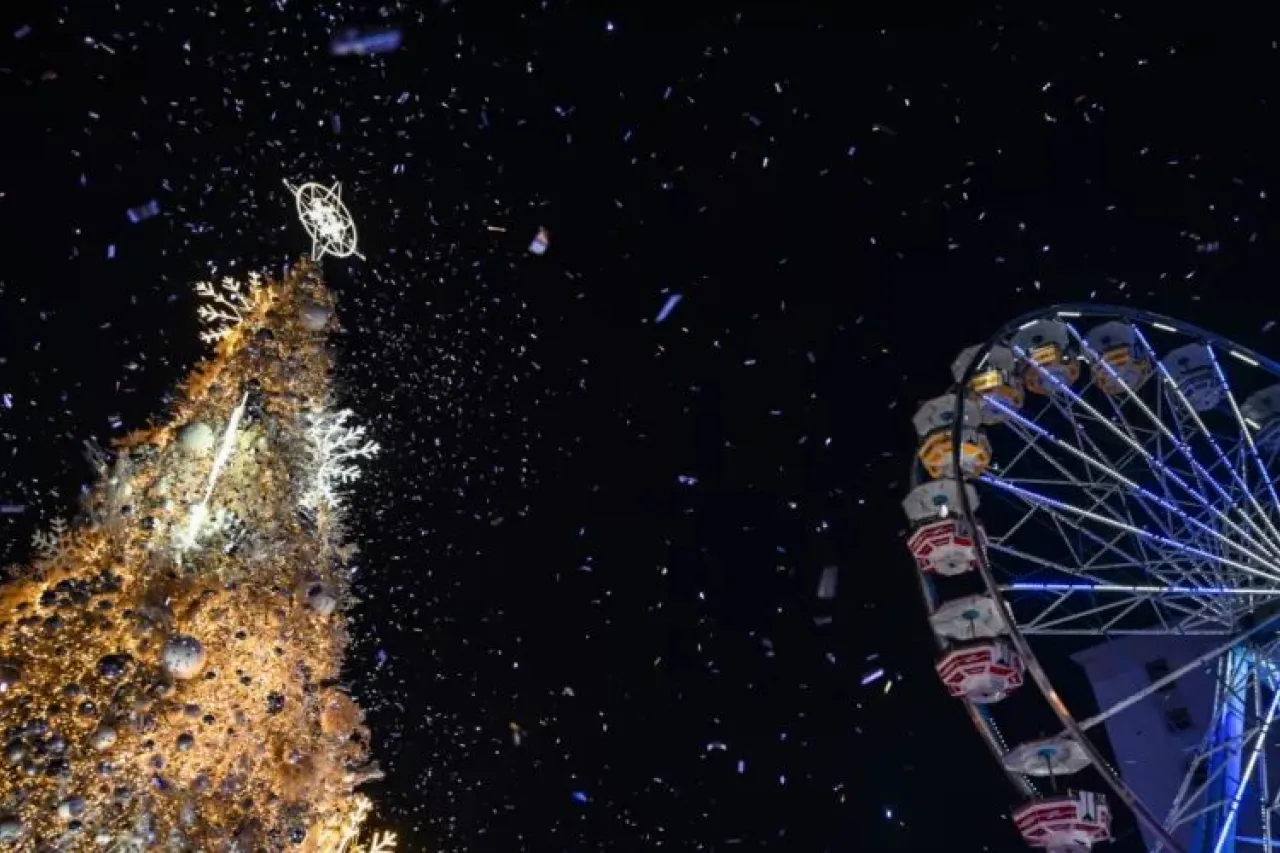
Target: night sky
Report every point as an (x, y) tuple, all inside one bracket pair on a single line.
[(591, 546)]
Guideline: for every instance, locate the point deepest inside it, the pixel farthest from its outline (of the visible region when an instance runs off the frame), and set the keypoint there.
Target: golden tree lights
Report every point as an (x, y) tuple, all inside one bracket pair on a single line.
[(169, 666)]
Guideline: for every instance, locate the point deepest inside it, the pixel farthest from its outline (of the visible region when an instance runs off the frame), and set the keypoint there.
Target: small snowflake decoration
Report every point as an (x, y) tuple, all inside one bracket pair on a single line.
[(335, 445), (327, 220), (227, 306), (48, 543)]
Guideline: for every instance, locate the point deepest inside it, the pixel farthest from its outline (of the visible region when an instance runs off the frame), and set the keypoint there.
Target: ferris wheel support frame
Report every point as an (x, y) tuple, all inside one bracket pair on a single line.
[(1022, 646), (1230, 726)]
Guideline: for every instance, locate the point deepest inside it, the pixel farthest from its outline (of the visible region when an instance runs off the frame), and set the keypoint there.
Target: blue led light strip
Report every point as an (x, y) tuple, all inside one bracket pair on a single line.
[(1243, 781), (1154, 589), (1043, 500), (1244, 429), (1217, 449)]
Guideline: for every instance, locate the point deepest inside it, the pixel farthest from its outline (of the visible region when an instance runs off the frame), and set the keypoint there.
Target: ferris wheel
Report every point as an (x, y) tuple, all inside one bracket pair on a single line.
[(1098, 492)]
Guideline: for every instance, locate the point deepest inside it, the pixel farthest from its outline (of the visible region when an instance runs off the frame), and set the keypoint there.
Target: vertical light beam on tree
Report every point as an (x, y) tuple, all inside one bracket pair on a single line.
[(201, 511)]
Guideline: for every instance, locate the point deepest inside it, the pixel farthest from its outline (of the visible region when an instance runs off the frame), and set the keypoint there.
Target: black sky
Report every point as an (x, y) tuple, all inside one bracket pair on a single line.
[(842, 205)]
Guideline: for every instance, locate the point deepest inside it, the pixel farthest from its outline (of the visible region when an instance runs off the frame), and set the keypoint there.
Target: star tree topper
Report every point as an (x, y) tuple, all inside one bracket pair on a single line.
[(326, 219)]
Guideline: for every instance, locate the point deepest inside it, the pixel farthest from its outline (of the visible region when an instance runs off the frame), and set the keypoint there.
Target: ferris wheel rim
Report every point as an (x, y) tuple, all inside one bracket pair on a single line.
[(1126, 312), (976, 714), (982, 563)]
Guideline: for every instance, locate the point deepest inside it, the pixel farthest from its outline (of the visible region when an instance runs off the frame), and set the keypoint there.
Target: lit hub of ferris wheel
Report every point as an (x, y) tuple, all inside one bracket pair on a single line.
[(1125, 466)]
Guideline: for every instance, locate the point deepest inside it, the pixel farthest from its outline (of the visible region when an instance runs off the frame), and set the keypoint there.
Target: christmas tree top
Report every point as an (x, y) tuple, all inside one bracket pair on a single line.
[(170, 663)]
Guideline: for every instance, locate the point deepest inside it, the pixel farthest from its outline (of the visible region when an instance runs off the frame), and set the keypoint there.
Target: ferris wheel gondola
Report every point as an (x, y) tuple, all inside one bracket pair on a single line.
[(1125, 465)]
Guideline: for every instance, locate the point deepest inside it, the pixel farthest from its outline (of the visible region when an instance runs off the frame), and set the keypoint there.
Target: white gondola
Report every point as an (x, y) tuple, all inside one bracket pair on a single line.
[(971, 617), (1190, 370), (937, 499), (995, 382), (1261, 412), (941, 539), (934, 421), (1046, 355), (1123, 366), (1055, 756)]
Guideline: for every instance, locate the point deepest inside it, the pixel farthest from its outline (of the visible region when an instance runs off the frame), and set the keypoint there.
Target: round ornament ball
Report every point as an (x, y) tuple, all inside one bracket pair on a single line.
[(113, 667), (10, 829), (10, 676), (183, 656), (314, 317), (321, 600), (71, 808), (196, 438), (104, 737)]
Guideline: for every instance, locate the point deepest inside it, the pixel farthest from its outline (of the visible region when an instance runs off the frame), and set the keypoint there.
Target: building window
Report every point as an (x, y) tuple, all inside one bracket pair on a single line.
[(1177, 719), (1158, 669)]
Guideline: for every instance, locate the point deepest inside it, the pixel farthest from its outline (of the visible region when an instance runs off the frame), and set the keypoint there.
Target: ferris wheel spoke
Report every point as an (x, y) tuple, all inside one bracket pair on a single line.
[(1181, 810), (1165, 406), (1186, 581), (1191, 624), (1073, 572), (1176, 565), (1169, 384), (1028, 445), (1263, 489), (1089, 569), (1176, 523), (1150, 511), (1245, 433), (1031, 443), (1058, 600), (1184, 818), (1185, 794), (1162, 597), (1267, 652), (1131, 396), (1124, 605), (1197, 574), (1264, 783), (1171, 529), (1080, 513), (1155, 465), (1098, 461), (1109, 490)]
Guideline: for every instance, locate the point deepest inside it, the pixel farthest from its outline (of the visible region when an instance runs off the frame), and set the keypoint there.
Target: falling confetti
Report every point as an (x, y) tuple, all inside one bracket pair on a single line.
[(670, 305), (143, 212), (827, 583), (591, 552), (354, 42), (540, 242)]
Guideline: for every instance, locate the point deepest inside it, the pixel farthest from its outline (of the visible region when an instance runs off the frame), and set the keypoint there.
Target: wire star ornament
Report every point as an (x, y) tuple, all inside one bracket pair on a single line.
[(327, 220)]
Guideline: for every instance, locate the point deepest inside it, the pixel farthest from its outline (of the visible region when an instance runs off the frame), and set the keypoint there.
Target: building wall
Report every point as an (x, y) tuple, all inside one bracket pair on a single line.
[(1154, 741)]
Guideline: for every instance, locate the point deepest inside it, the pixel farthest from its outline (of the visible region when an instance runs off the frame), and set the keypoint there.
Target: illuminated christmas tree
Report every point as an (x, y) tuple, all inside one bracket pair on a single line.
[(170, 662)]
